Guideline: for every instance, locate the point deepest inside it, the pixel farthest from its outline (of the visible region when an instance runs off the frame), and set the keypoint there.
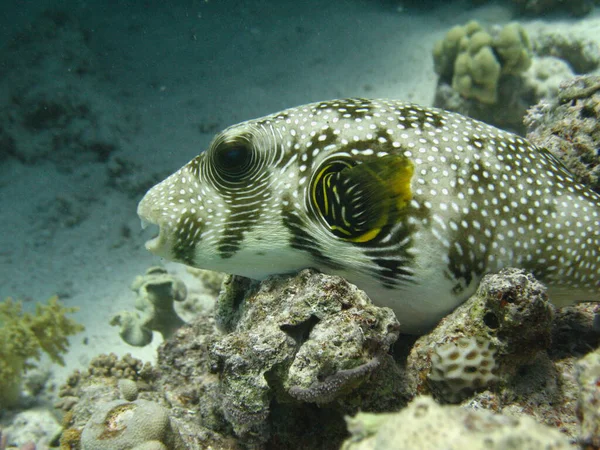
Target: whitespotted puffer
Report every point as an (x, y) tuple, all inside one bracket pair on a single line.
[(411, 204)]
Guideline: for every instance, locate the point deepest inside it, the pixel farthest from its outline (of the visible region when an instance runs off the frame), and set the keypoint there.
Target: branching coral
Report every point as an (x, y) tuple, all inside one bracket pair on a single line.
[(23, 336)]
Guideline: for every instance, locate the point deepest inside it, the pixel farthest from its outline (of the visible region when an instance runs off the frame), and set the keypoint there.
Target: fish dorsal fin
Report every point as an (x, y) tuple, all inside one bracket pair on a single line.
[(357, 200)]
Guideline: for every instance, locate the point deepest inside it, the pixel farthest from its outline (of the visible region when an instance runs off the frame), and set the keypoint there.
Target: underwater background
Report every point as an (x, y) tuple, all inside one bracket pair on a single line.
[(99, 101)]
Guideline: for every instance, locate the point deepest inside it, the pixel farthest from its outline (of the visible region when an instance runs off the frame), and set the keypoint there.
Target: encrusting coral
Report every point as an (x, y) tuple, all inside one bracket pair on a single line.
[(156, 292), (313, 338), (569, 127), (489, 328), (24, 336)]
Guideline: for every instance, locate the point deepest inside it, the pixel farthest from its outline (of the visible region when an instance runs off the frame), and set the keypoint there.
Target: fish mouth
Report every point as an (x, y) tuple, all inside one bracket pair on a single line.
[(154, 244), (147, 215)]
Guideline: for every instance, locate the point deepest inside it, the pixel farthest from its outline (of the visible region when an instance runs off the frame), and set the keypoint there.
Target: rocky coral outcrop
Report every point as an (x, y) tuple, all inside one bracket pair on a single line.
[(569, 127), (280, 363)]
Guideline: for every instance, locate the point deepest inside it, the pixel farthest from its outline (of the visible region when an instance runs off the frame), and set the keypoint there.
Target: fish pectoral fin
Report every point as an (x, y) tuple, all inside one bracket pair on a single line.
[(358, 201)]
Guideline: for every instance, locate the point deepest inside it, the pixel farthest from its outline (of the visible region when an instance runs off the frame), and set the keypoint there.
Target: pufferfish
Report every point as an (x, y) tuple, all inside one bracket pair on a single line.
[(411, 204)]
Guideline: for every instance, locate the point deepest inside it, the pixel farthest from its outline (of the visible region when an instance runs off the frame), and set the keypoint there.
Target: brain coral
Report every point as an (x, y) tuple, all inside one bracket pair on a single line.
[(121, 425)]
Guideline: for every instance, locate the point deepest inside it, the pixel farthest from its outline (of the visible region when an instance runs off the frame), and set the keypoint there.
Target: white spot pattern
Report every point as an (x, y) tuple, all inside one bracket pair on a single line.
[(482, 199)]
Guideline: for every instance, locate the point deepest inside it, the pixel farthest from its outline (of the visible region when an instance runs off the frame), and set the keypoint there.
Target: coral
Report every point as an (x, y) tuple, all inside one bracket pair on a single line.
[(111, 379), (129, 389), (104, 374), (150, 445), (445, 50), (312, 337), (582, 54), (156, 292), (569, 127), (493, 318), (587, 373), (542, 80), (513, 47), (36, 427), (475, 59), (425, 424), (128, 367), (462, 366), (107, 379), (551, 55), (23, 336), (121, 425)]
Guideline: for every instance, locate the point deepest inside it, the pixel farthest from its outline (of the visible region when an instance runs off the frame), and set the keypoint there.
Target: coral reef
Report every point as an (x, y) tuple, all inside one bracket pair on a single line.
[(24, 336), (156, 292), (492, 323), (301, 351), (313, 338), (569, 127), (474, 84), (425, 424), (279, 364)]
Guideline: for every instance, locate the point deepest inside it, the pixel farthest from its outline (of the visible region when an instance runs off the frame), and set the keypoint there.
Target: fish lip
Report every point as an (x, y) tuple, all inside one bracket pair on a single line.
[(147, 219), (153, 244)]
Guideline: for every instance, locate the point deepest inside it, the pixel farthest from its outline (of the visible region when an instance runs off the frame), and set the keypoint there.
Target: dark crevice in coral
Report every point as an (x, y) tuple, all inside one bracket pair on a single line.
[(318, 428), (300, 332), (491, 320)]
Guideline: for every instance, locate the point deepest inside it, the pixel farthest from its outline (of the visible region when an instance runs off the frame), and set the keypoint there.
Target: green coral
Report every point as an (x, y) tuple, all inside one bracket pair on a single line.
[(23, 336), (473, 60)]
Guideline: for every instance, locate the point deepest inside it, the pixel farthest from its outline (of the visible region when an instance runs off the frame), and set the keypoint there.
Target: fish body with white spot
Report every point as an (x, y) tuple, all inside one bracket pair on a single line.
[(412, 204)]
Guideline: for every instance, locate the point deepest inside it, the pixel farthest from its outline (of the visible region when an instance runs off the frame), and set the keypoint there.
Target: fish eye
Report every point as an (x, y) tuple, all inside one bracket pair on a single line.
[(233, 160)]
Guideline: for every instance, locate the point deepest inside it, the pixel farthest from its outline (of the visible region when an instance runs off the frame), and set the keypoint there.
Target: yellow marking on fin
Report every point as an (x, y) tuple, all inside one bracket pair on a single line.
[(366, 237), (384, 191), (392, 174), (401, 182)]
